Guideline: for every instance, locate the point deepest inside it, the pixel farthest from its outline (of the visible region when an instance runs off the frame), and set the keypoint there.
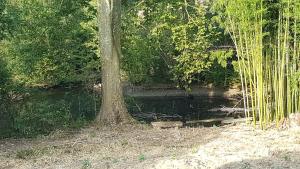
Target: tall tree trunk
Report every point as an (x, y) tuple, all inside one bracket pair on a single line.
[(113, 109)]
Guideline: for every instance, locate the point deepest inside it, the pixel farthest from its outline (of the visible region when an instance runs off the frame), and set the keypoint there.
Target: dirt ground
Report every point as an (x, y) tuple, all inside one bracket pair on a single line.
[(142, 147)]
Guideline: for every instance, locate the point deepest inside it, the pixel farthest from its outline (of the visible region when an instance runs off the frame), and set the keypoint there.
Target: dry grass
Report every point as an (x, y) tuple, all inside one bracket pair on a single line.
[(138, 147)]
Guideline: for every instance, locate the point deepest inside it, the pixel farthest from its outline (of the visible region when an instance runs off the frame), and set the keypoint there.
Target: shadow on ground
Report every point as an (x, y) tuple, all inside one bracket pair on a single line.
[(277, 160)]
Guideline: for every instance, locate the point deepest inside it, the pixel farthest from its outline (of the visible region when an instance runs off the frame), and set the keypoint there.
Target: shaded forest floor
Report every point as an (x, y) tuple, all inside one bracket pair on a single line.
[(140, 146)]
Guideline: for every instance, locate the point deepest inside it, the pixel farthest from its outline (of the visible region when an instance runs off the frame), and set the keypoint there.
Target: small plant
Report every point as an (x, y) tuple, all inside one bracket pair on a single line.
[(173, 156), (86, 164), (31, 153), (246, 165), (25, 154), (287, 157), (115, 161), (124, 143), (142, 157), (194, 150), (92, 134)]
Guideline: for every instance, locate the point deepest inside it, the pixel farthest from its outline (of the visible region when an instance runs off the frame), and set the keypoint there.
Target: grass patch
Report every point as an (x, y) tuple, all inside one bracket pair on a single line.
[(31, 153), (86, 164), (25, 154)]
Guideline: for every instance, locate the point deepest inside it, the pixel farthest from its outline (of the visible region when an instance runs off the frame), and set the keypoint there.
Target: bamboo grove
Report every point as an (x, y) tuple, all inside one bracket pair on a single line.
[(266, 36)]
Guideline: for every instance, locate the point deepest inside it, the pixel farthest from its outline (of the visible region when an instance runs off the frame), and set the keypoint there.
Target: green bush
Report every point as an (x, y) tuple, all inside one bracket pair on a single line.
[(53, 42), (41, 118), (166, 41), (222, 71), (4, 75)]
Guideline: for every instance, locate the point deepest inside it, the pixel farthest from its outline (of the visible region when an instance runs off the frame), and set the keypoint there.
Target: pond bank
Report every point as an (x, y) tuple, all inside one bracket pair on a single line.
[(165, 90)]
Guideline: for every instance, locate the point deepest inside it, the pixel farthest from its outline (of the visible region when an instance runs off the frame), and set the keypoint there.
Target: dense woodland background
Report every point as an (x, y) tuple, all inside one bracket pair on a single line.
[(54, 43), (50, 43)]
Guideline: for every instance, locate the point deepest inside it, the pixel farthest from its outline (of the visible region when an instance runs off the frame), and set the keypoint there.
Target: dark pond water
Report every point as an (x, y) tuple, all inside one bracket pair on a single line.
[(66, 104), (172, 108)]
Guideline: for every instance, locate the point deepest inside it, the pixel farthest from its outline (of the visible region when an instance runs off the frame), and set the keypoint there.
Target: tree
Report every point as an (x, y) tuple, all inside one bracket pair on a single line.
[(113, 109), (49, 42)]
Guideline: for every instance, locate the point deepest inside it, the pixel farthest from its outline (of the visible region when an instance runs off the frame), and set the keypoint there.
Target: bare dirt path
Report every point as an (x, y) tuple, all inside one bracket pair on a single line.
[(141, 147)]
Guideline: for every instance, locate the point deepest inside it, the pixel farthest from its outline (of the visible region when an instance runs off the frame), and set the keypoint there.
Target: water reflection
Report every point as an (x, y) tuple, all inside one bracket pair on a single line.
[(51, 109)]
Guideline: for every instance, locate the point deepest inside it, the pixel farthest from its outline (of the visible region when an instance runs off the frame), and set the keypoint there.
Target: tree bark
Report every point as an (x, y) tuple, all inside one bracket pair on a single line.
[(113, 109)]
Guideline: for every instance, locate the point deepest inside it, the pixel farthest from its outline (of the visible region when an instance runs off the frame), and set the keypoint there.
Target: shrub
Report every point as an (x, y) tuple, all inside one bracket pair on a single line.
[(41, 118)]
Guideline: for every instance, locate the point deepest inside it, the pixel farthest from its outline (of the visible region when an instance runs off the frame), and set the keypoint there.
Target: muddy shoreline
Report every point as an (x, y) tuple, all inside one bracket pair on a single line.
[(142, 91)]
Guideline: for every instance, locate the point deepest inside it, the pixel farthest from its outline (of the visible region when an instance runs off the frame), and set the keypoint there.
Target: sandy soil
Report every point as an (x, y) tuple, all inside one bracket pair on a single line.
[(141, 147)]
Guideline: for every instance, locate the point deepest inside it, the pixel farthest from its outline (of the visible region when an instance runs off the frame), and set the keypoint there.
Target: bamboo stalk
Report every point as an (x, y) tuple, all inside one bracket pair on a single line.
[(267, 67)]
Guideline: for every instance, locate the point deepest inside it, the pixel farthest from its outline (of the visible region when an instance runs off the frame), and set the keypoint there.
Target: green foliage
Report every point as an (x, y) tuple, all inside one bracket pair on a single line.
[(4, 20), (5, 27), (142, 157), (55, 42), (142, 61), (51, 43), (222, 71), (32, 112), (4, 75), (190, 37), (35, 119), (169, 40), (43, 118)]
